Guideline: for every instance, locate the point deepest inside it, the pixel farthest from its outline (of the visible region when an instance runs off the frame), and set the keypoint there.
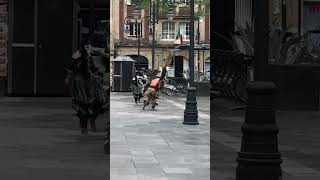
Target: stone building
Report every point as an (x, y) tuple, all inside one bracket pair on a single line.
[(126, 42), (299, 15)]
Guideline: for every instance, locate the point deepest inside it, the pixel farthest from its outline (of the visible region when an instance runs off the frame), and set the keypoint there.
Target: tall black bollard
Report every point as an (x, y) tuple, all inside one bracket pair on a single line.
[(191, 111), (259, 158)]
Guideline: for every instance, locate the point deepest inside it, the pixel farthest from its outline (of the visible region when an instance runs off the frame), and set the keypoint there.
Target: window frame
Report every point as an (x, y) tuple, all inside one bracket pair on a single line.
[(132, 28), (185, 26), (170, 30)]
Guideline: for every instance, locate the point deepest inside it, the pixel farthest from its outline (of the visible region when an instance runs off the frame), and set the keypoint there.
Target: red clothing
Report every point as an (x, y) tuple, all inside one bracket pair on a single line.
[(155, 83)]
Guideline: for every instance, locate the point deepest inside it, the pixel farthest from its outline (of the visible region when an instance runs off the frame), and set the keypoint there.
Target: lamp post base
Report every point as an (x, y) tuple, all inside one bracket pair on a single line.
[(259, 157), (191, 111)]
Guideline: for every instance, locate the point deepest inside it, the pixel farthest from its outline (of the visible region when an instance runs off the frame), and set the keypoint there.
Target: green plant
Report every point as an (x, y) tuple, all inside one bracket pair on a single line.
[(243, 39), (163, 7), (285, 47)]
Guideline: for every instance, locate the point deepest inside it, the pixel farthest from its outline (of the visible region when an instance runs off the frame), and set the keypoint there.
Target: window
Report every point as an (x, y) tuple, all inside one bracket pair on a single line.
[(185, 30), (168, 30), (134, 29), (311, 15), (129, 2)]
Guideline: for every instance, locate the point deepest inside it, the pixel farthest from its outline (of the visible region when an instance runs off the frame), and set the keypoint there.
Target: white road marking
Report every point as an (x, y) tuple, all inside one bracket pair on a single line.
[(181, 106)]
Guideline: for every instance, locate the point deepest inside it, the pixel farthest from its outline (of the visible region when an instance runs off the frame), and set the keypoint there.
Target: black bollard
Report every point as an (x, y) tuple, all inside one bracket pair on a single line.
[(191, 111), (259, 158)]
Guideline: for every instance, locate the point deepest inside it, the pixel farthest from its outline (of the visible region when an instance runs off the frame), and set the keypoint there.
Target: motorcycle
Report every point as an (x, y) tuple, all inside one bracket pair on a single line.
[(138, 86)]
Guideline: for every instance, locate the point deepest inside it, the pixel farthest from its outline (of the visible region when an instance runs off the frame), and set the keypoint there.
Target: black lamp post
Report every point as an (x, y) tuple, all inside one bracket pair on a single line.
[(259, 157), (136, 13), (153, 22), (191, 111)]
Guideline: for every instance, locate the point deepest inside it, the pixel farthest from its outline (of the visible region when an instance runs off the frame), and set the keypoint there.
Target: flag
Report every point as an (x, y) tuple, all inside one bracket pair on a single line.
[(180, 36)]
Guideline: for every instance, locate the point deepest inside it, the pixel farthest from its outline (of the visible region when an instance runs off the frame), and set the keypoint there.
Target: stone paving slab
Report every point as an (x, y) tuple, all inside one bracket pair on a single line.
[(298, 142), (40, 139), (155, 144)]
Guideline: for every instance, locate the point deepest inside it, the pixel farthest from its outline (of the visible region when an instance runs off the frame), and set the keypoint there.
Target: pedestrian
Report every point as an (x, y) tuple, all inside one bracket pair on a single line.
[(88, 96), (155, 84)]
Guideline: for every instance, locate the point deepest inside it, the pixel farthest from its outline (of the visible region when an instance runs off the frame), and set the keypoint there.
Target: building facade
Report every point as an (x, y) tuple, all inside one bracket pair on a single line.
[(298, 15), (166, 32)]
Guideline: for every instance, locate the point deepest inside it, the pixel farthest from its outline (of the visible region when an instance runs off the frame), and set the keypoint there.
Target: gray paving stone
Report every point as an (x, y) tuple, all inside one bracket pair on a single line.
[(157, 140)]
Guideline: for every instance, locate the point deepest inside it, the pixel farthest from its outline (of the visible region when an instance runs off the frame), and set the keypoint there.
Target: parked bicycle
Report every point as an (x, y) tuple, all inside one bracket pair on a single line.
[(229, 70)]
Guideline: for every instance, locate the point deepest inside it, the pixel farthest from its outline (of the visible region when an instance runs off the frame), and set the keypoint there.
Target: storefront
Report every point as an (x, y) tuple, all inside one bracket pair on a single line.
[(42, 37)]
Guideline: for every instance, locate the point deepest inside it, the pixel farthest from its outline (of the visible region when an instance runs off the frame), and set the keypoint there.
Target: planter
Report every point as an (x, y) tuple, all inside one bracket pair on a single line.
[(298, 86)]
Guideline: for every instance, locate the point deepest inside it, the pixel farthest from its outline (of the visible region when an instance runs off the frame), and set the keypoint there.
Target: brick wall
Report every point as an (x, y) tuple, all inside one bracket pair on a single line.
[(3, 37)]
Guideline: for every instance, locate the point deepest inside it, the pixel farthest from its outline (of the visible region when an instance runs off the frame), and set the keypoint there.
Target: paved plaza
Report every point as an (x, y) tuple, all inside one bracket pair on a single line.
[(299, 142), (40, 140), (155, 145)]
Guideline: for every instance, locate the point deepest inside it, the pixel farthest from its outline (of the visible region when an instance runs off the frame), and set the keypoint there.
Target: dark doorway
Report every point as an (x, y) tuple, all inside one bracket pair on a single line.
[(40, 43), (54, 45), (21, 79), (42, 37), (178, 66)]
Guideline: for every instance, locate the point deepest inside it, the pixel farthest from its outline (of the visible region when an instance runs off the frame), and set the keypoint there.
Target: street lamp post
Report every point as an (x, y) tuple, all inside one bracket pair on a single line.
[(191, 111), (153, 32), (136, 14), (259, 157), (198, 35)]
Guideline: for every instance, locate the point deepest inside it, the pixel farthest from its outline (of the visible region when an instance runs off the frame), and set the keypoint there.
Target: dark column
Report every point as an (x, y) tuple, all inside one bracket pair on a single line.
[(261, 36), (222, 20), (299, 16), (191, 111), (198, 35), (259, 157), (92, 20), (284, 14), (191, 49), (139, 32), (153, 33)]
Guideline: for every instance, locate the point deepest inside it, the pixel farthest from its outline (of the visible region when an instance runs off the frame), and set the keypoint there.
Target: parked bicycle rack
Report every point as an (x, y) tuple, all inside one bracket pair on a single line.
[(172, 86), (229, 74)]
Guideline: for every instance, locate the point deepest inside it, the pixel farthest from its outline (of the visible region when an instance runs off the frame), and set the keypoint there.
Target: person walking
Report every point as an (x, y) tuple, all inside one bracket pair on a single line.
[(155, 84), (88, 96)]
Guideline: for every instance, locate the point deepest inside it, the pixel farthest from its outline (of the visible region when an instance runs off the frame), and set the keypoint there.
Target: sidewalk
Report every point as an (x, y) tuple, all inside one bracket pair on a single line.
[(147, 145), (299, 142), (40, 139)]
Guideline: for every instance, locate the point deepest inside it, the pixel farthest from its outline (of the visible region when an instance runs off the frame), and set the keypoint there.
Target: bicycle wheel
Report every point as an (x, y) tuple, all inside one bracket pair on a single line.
[(241, 90), (171, 92)]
